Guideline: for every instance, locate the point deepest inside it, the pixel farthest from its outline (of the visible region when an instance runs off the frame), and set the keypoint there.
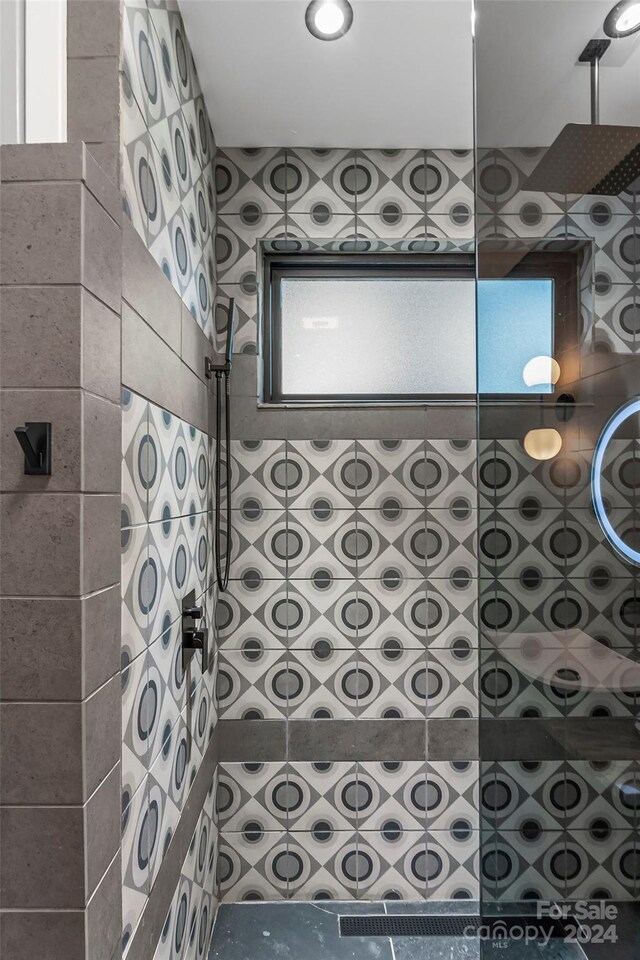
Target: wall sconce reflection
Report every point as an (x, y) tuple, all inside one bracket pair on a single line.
[(543, 443), (541, 372), (570, 661)]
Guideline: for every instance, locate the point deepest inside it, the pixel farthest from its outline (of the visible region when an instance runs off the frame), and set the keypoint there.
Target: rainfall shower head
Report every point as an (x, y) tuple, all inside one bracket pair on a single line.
[(590, 158)]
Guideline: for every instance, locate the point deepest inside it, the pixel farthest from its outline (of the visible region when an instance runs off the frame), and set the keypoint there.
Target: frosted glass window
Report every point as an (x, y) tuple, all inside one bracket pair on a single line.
[(373, 337), (377, 337), (515, 324)]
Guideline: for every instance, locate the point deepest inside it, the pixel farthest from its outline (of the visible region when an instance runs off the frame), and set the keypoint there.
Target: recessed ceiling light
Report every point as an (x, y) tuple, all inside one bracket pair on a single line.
[(329, 19), (624, 19)]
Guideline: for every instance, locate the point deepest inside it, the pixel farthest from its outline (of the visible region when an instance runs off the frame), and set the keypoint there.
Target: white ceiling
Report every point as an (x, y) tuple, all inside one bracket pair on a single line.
[(528, 80), (403, 75)]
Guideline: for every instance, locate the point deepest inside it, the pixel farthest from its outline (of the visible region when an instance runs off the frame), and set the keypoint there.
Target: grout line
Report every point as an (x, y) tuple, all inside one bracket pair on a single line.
[(27, 910), (61, 596), (97, 886), (77, 283), (68, 181)]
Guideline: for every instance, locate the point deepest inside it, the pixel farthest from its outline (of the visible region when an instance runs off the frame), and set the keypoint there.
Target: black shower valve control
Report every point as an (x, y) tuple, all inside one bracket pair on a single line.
[(193, 640), (194, 637), (194, 612)]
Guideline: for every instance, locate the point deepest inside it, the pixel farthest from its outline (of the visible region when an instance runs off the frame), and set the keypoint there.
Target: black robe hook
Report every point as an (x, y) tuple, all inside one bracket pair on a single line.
[(35, 440)]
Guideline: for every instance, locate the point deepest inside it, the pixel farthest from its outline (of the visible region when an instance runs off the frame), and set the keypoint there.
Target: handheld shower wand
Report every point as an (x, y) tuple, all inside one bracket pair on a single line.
[(222, 372)]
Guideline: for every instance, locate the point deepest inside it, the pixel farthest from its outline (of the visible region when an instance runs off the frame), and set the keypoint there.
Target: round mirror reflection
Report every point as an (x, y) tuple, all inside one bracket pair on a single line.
[(616, 480)]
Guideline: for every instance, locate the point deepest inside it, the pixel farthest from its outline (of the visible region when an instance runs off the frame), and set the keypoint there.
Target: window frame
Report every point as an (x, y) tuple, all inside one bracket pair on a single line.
[(560, 267)]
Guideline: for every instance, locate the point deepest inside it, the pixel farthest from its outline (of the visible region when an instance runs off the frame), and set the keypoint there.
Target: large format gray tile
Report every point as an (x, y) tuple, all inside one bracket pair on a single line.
[(93, 98), (41, 230), (42, 865), (344, 423), (48, 644), (452, 422), (194, 345), (429, 908), (23, 933), (100, 348), (41, 649), (100, 638), (101, 425), (41, 161), (40, 328), (51, 525), (93, 29), (102, 185), (101, 253), (244, 376), (530, 738), (247, 421), (196, 401), (322, 740), (107, 156), (102, 828), (288, 931), (100, 541), (517, 950), (149, 292), (41, 753), (101, 733), (252, 740), (248, 931), (437, 948), (104, 915), (390, 739), (452, 738), (149, 366)]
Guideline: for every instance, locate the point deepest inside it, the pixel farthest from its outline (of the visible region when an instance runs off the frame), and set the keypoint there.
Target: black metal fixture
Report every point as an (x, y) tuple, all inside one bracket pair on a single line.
[(590, 158), (565, 407), (623, 19), (222, 371), (194, 637), (422, 925), (35, 440), (329, 19), (593, 54)]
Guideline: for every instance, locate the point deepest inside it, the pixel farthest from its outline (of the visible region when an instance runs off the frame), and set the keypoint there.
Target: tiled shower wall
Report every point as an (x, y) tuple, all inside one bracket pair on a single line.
[(168, 713), (351, 612), (334, 638), (60, 257), (348, 638), (169, 839), (405, 197), (168, 152), (558, 606), (352, 606)]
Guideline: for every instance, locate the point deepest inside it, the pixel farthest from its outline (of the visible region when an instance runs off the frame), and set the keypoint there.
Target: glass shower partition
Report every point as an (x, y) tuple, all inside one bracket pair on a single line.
[(559, 481)]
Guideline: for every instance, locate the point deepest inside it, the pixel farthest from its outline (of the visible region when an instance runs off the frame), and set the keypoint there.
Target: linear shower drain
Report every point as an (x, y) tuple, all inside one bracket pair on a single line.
[(447, 926), (385, 926)]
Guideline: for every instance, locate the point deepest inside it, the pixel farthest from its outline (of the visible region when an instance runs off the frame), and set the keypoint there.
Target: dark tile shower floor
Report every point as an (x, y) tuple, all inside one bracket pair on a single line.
[(309, 931)]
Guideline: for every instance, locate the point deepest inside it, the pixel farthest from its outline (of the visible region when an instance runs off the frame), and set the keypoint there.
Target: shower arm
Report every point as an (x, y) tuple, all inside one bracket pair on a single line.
[(592, 54), (595, 91)]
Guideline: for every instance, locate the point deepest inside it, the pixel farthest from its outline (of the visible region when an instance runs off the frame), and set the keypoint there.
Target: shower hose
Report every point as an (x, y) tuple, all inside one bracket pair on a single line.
[(222, 568)]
